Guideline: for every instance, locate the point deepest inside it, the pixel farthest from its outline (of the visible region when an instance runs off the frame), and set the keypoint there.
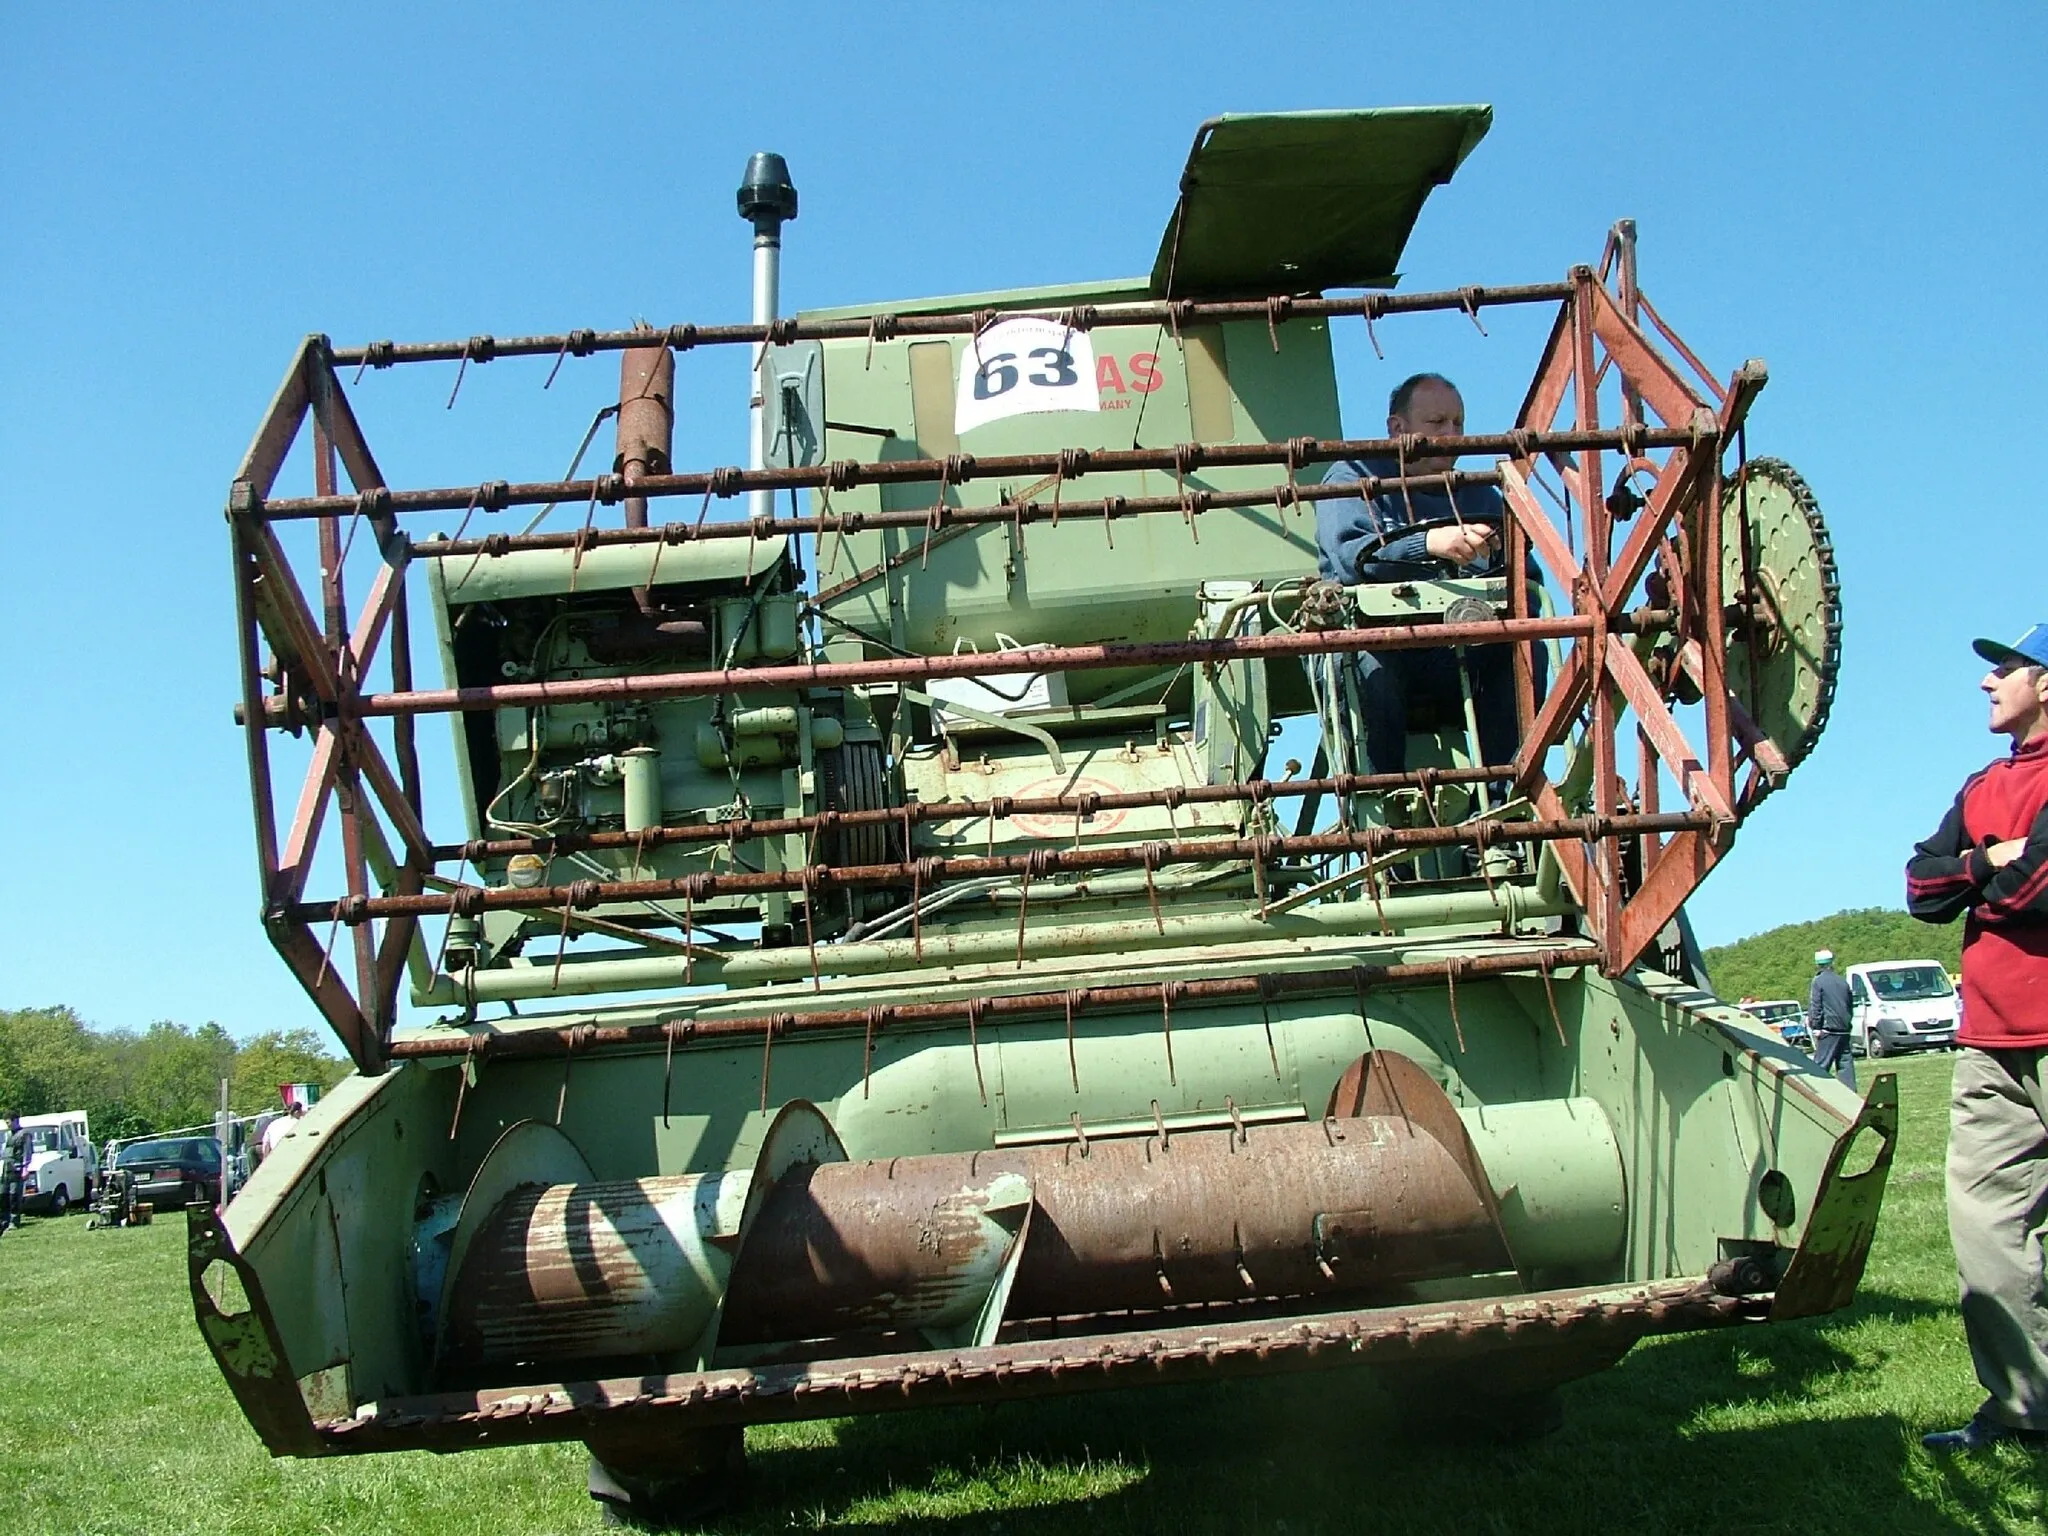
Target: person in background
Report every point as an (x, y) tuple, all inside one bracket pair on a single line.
[(279, 1128), (1988, 862), (1827, 1019), (14, 1154)]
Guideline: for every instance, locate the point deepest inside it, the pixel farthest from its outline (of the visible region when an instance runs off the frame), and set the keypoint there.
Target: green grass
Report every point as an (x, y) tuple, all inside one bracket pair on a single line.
[(113, 1419)]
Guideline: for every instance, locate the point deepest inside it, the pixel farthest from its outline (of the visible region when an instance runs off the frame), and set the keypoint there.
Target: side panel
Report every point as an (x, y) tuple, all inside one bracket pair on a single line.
[(1063, 584), (1706, 1111), (326, 1222)]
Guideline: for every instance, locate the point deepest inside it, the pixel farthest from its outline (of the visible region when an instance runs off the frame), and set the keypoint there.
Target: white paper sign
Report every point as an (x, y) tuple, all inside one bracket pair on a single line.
[(1022, 365)]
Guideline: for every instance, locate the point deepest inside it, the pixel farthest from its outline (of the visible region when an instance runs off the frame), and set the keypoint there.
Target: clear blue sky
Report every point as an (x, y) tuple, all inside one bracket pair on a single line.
[(1850, 192)]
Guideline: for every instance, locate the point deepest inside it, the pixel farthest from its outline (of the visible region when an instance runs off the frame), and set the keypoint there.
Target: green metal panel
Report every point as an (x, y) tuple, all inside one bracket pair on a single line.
[(607, 568), (1079, 581), (1297, 202)]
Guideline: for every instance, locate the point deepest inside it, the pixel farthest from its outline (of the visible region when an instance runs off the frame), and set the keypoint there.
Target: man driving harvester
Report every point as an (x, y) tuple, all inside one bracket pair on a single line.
[(1415, 533)]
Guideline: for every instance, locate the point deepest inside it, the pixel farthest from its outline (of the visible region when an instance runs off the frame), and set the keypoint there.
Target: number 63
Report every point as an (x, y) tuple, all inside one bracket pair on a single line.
[(997, 374)]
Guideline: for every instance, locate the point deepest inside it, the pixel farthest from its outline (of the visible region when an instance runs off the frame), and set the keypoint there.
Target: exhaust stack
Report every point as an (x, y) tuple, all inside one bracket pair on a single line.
[(767, 200), (647, 378)]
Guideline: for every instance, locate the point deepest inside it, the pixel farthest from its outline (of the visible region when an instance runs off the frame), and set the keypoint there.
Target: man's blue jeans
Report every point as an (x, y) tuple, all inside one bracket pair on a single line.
[(1831, 1054), (1392, 682)]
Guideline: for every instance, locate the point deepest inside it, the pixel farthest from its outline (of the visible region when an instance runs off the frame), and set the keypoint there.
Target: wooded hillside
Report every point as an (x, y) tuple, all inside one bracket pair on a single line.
[(166, 1076), (1779, 962)]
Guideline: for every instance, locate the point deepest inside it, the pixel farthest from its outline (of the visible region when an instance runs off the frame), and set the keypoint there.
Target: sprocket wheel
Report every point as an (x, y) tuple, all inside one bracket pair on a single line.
[(1784, 612)]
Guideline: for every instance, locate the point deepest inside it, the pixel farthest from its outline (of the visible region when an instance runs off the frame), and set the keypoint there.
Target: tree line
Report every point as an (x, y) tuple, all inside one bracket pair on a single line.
[(1779, 963), (137, 1082)]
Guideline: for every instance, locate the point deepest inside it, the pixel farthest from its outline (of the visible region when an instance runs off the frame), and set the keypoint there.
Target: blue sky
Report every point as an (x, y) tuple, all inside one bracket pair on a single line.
[(1850, 192)]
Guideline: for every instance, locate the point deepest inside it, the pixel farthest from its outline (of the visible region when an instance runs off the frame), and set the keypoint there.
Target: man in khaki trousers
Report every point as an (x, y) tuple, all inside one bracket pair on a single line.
[(1989, 859)]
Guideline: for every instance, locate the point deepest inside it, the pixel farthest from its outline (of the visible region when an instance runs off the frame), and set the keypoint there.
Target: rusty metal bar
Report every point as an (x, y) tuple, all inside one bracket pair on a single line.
[(1678, 345), (646, 422), (886, 327), (1370, 841), (310, 964), (1604, 909), (1623, 238), (1657, 727), (1063, 658), (348, 795), (1272, 986), (402, 731), (334, 602), (920, 812), (280, 426), (1593, 1325), (1278, 496), (841, 474), (248, 634), (284, 614)]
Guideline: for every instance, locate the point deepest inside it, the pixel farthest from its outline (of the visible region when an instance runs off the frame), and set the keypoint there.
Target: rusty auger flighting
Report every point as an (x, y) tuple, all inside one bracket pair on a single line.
[(876, 968)]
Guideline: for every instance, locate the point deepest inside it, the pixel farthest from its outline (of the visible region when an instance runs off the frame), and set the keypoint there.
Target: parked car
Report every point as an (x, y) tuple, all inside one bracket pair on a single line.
[(63, 1165), (1902, 1005), (173, 1171), (1786, 1018)]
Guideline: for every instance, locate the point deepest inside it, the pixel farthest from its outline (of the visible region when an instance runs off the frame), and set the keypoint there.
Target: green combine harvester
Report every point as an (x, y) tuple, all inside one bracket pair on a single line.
[(879, 967)]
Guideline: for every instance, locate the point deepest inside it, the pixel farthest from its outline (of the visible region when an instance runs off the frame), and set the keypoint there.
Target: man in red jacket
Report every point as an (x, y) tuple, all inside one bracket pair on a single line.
[(1989, 859)]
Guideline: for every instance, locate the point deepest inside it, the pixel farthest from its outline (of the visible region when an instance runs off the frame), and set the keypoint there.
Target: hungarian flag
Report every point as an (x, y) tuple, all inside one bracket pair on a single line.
[(298, 1095)]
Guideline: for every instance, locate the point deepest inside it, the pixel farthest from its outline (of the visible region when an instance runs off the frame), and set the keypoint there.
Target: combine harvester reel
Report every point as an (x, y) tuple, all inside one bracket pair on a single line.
[(875, 968)]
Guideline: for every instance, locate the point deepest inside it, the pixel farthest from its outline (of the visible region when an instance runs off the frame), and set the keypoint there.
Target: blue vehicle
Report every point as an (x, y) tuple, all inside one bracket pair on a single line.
[(1786, 1018)]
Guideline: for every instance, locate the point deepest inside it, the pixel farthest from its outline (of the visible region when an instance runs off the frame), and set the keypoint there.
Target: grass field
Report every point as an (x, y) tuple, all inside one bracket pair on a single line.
[(113, 1419)]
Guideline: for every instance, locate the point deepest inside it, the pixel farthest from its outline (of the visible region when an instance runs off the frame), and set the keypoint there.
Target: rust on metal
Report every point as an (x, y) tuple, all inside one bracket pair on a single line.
[(572, 1272), (1084, 805), (1328, 1208), (243, 1337), (1372, 842), (1063, 658), (1281, 498), (646, 425), (729, 481), (1179, 312), (1490, 1329), (1824, 1272), (1270, 987), (1393, 1087)]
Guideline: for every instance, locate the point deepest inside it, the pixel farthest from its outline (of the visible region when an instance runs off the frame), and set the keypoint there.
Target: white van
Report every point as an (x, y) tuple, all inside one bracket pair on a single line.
[(63, 1164), (1901, 1005)]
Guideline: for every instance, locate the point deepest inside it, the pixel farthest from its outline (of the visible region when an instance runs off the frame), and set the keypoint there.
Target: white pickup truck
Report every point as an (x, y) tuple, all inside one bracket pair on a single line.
[(63, 1164)]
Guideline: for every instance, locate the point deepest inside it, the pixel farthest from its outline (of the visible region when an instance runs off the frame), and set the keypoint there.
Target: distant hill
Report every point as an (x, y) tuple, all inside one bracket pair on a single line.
[(1779, 963)]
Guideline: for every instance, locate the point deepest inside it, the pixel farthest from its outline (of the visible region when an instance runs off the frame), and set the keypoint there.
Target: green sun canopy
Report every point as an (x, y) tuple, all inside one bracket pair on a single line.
[(1298, 202)]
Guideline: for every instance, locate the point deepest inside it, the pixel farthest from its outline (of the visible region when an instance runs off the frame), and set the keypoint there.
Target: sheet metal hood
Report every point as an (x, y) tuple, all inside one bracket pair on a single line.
[(1299, 202)]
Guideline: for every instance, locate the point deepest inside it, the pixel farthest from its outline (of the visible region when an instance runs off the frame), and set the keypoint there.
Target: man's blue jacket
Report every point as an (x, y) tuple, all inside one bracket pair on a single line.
[(1828, 1008)]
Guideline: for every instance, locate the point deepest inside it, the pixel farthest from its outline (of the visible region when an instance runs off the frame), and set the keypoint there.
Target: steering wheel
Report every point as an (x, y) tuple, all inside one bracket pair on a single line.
[(1379, 541)]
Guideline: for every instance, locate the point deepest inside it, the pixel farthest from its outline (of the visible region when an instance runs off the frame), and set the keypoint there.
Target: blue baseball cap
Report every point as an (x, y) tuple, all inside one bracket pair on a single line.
[(2030, 647)]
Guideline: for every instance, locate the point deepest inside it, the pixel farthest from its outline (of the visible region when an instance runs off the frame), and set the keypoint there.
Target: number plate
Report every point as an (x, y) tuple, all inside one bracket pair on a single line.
[(1022, 365)]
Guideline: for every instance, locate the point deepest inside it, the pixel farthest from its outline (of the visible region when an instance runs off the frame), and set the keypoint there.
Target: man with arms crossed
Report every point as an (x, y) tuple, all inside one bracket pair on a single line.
[(1989, 859)]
